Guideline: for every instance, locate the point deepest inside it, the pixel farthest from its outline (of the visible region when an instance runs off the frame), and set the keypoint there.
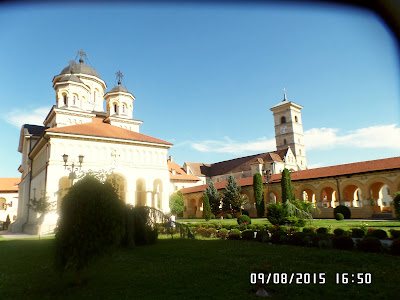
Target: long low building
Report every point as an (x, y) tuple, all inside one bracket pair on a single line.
[(366, 187)]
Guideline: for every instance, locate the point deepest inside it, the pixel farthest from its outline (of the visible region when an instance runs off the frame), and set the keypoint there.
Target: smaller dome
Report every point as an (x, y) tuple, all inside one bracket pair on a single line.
[(119, 88), (71, 77)]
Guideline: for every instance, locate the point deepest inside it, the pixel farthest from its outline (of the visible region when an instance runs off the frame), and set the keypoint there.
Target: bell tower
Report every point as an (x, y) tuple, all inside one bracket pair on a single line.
[(289, 129)]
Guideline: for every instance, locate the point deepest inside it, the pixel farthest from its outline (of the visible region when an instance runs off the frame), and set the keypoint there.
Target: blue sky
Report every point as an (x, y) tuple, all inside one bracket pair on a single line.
[(204, 76)]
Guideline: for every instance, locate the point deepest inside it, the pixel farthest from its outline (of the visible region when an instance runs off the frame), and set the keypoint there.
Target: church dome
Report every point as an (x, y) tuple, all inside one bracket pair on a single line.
[(71, 77), (119, 88), (80, 68)]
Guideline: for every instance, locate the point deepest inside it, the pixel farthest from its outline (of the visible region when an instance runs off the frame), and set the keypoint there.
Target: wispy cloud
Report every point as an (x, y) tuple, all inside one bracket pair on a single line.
[(19, 117), (384, 136), (227, 145)]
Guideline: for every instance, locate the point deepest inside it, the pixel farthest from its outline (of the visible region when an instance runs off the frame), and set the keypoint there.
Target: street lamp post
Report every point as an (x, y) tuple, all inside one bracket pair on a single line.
[(72, 168)]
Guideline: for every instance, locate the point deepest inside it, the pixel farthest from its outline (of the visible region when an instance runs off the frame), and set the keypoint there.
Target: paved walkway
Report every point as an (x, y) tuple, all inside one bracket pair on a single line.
[(10, 235)]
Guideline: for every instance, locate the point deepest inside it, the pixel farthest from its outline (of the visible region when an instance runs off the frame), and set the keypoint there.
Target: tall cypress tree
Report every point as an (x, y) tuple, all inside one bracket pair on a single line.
[(286, 184), (258, 194), (206, 206), (231, 193), (214, 198)]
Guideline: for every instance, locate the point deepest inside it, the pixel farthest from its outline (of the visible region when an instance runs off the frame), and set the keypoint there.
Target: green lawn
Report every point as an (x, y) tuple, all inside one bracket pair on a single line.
[(345, 224), (192, 269)]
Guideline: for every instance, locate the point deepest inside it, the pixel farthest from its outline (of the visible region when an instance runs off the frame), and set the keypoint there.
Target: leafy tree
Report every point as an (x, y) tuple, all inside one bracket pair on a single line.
[(258, 194), (231, 195), (286, 183), (176, 203), (214, 198), (207, 208), (41, 206), (90, 224), (239, 201)]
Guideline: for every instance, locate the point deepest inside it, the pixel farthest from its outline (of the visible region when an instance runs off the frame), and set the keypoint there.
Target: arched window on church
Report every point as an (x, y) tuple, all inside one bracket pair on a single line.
[(65, 99), (94, 96), (123, 108), (284, 142), (283, 120), (115, 108), (74, 100)]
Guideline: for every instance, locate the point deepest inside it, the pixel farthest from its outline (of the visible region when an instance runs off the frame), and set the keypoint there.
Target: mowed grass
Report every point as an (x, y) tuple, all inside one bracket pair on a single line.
[(344, 224), (191, 269)]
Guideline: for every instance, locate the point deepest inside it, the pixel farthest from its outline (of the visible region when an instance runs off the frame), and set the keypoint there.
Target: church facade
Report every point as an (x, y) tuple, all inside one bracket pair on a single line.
[(80, 136)]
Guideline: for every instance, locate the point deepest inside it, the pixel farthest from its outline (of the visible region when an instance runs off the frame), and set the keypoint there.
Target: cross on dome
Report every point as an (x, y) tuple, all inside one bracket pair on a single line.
[(82, 54), (119, 76)]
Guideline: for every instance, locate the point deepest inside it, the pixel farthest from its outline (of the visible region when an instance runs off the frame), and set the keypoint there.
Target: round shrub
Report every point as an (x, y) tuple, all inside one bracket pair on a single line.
[(276, 213), (357, 233), (262, 236), (395, 234), (395, 247), (322, 230), (212, 216), (284, 228), (343, 242), (370, 244), (299, 239), (261, 227), (234, 234), (339, 232), (228, 216), (342, 209), (339, 217), (379, 233), (300, 223), (252, 227), (278, 237), (243, 219), (222, 234), (309, 229), (321, 241), (248, 235)]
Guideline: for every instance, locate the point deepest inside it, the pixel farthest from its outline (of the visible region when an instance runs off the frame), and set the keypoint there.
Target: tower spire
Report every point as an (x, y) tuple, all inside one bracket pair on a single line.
[(119, 76), (284, 94)]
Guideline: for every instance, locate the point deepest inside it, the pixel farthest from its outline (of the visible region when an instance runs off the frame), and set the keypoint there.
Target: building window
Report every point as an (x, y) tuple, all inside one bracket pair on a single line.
[(284, 142), (65, 99), (283, 120), (94, 96), (123, 108), (300, 151), (74, 100), (295, 118), (115, 108)]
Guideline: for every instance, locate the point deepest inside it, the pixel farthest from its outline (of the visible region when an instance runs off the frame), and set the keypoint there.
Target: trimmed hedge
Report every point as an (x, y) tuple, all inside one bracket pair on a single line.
[(343, 242), (370, 244), (342, 209), (357, 233), (339, 216), (243, 219)]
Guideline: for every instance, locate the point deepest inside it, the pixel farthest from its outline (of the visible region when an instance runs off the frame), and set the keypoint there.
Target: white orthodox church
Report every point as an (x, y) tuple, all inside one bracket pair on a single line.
[(80, 135)]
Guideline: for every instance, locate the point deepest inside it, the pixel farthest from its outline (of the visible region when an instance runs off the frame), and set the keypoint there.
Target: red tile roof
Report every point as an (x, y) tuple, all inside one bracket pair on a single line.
[(9, 184), (101, 129), (338, 170), (180, 174)]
